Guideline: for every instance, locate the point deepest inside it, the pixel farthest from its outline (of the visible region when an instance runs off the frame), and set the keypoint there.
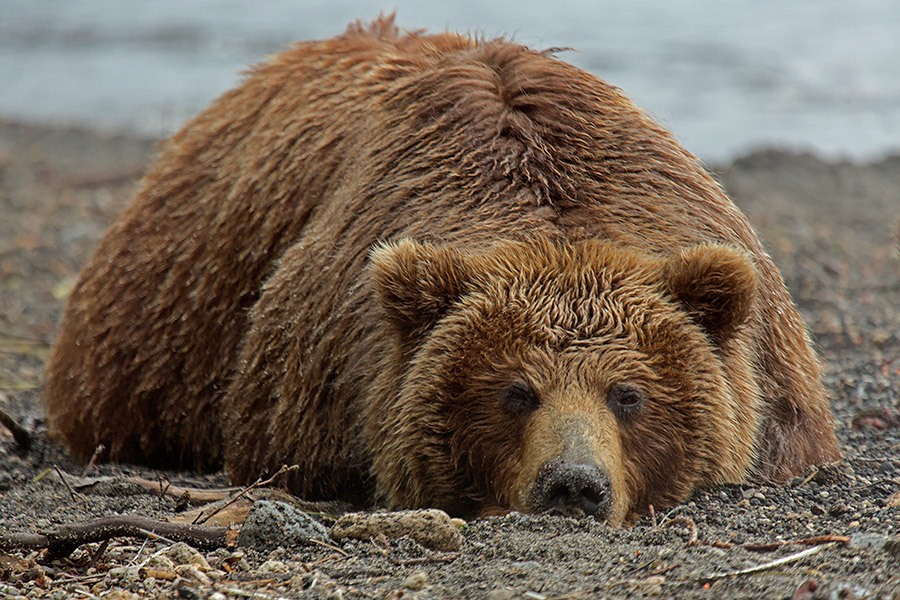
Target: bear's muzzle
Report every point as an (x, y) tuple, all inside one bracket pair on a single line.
[(573, 487)]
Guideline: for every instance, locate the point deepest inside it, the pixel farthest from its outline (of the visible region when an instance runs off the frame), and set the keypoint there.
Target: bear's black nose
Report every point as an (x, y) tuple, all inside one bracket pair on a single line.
[(567, 485)]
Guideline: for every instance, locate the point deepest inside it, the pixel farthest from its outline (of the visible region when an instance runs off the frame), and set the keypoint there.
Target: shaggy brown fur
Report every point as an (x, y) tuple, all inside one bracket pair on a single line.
[(563, 242)]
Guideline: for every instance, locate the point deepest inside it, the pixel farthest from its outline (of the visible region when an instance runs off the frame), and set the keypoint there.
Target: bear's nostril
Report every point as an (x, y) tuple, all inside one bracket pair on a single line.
[(591, 499), (559, 497), (566, 485)]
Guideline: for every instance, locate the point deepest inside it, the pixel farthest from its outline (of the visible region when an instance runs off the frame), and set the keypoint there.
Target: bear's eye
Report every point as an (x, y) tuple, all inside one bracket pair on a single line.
[(519, 398), (625, 399)]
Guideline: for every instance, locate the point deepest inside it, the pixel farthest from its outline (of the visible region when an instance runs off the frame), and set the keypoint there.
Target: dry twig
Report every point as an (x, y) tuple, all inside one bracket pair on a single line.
[(689, 522), (90, 465), (769, 565), (258, 483), (65, 483), (808, 478), (327, 545), (19, 433)]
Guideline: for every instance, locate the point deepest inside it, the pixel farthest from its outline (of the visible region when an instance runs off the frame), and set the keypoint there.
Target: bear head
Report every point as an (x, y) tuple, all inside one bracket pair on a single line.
[(581, 376)]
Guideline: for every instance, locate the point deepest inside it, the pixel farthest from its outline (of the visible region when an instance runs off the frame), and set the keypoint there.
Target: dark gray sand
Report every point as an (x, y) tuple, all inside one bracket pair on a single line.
[(831, 228)]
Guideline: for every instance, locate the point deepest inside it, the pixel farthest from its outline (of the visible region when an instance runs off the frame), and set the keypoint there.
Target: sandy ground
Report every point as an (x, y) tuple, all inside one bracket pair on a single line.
[(830, 227)]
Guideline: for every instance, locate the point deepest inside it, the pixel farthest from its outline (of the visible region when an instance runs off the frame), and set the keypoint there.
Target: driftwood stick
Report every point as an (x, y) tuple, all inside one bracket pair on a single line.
[(193, 496), (63, 539), (19, 433)]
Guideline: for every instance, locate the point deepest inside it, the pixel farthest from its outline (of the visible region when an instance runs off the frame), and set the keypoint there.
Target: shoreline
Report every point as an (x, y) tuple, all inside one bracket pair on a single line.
[(107, 132)]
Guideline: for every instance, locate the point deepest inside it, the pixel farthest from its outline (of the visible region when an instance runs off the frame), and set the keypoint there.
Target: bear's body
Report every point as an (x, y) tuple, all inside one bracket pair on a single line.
[(561, 306)]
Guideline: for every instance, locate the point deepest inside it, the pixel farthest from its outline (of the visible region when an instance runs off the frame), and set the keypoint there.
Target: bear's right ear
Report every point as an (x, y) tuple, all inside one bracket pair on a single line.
[(716, 283), (417, 282)]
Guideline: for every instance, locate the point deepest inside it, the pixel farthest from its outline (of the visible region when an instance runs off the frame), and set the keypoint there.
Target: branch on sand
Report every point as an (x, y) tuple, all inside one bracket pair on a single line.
[(19, 433), (62, 540)]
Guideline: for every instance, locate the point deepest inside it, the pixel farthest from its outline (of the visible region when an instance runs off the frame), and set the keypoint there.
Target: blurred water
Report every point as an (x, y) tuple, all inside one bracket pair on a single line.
[(724, 75)]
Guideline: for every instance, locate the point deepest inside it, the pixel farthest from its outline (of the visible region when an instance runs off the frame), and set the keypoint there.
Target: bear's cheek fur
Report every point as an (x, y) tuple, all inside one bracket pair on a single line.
[(485, 445), (661, 455), (438, 439)]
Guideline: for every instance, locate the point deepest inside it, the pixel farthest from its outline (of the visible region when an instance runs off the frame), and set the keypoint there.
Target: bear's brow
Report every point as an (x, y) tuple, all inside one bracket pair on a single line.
[(561, 318)]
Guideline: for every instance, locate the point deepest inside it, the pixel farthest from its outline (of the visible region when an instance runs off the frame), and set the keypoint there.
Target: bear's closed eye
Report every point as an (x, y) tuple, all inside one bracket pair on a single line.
[(519, 398), (625, 400)]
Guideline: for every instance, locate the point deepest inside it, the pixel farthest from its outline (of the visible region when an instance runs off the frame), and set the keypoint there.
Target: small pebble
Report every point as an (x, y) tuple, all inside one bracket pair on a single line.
[(161, 562), (132, 573), (416, 581), (237, 562), (182, 554), (273, 566), (193, 573)]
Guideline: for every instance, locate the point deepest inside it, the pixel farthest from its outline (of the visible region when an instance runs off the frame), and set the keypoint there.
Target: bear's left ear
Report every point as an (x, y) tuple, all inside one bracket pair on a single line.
[(417, 282), (716, 283)]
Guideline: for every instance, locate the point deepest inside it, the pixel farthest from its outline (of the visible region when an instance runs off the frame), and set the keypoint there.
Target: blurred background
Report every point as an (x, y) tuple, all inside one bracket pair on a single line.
[(727, 76)]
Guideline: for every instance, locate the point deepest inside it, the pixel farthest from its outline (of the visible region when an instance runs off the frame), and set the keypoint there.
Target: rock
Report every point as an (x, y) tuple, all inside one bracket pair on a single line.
[(431, 528), (501, 594), (9, 591), (161, 562), (182, 554), (416, 581), (893, 500), (191, 572), (838, 508), (892, 547), (867, 541), (273, 566), (121, 595), (237, 562), (271, 524), (874, 541)]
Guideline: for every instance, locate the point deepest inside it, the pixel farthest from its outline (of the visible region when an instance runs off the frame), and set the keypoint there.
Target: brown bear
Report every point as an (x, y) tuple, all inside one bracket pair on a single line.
[(438, 271)]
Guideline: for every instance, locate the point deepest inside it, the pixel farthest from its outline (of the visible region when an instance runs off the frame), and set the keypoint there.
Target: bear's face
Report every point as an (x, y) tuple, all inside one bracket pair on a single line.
[(586, 376)]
